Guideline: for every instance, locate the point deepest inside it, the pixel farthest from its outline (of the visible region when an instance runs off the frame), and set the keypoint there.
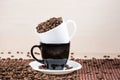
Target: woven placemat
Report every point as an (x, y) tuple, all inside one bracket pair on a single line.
[(92, 69)]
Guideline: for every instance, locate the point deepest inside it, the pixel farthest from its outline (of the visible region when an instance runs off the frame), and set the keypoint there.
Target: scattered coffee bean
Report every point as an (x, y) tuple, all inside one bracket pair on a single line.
[(77, 60), (8, 58), (94, 62), (2, 52), (85, 56), (72, 58), (118, 55), (68, 67), (108, 56), (12, 55), (42, 67), (17, 52), (21, 52), (20, 58), (29, 56), (93, 58), (96, 72), (37, 53), (110, 73), (28, 52), (72, 53), (104, 56), (3, 59), (9, 52)]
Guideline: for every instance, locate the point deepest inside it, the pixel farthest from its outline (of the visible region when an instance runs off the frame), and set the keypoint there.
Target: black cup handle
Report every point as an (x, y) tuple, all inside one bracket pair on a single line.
[(38, 46)]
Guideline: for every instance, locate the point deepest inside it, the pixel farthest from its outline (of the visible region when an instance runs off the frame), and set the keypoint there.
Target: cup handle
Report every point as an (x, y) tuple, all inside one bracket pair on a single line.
[(36, 46), (74, 26)]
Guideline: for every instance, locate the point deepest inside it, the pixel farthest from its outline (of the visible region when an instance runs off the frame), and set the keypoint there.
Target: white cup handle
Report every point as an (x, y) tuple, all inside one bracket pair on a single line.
[(74, 26)]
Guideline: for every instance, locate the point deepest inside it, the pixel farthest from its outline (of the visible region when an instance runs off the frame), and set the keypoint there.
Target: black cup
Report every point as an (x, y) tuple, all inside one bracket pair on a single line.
[(54, 56)]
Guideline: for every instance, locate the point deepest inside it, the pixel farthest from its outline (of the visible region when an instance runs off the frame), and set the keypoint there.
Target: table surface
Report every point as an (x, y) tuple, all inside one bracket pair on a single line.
[(27, 55)]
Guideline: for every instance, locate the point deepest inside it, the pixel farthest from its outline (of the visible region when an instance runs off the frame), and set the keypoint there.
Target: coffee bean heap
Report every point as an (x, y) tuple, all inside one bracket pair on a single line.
[(13, 69), (49, 24), (19, 69)]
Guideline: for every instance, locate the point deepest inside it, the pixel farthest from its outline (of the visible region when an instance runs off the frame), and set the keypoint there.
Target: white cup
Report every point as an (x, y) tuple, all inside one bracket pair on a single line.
[(58, 34)]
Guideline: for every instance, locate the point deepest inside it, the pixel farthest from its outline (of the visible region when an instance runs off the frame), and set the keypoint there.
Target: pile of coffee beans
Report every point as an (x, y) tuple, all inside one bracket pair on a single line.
[(49, 24), (19, 69)]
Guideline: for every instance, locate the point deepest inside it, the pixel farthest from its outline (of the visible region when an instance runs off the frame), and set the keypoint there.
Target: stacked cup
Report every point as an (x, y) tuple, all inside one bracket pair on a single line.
[(55, 46)]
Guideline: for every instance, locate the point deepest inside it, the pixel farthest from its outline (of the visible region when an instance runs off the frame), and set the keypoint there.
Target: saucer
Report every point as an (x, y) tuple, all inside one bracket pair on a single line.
[(75, 66)]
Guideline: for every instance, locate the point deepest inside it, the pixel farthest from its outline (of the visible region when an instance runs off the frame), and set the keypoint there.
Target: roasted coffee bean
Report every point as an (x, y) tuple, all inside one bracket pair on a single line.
[(94, 62), (8, 58), (42, 67), (28, 55), (85, 56), (2, 52), (84, 62), (104, 56), (17, 52), (72, 53), (28, 52), (37, 53), (68, 67), (96, 72), (9, 52), (20, 58), (108, 56), (72, 58), (118, 55), (12, 55)]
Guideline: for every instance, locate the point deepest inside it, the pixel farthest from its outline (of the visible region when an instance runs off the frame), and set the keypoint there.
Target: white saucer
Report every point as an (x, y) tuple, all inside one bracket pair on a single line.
[(75, 66)]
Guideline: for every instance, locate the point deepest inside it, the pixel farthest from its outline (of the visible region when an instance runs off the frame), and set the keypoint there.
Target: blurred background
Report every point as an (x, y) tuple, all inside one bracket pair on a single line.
[(98, 23)]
